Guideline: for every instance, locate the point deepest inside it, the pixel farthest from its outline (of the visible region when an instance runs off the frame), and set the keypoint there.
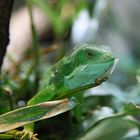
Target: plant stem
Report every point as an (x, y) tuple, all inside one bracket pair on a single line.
[(6, 136), (35, 42)]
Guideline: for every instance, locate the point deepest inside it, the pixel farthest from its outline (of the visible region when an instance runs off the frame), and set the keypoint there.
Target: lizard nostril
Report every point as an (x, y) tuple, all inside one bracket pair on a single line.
[(107, 57)]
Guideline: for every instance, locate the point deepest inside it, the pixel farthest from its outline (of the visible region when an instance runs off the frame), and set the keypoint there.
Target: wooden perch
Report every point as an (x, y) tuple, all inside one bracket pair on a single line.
[(5, 13)]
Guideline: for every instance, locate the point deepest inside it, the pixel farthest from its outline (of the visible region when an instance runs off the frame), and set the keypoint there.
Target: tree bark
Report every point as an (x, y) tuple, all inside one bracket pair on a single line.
[(5, 13)]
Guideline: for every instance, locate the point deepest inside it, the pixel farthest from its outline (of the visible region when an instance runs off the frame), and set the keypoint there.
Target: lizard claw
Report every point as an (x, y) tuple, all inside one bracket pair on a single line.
[(24, 135)]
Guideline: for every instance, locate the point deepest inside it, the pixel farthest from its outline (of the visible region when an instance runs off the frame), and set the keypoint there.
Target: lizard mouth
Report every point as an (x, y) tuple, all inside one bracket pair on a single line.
[(111, 69), (107, 73)]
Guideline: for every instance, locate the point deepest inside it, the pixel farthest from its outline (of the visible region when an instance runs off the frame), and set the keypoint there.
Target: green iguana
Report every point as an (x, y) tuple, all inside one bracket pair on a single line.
[(85, 67)]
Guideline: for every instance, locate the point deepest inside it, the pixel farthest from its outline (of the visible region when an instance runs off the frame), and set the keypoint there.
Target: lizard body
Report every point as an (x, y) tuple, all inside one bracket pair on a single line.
[(84, 67)]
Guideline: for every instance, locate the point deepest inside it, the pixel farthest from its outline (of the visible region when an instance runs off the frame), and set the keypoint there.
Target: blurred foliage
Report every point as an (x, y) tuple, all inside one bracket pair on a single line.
[(61, 12), (109, 111)]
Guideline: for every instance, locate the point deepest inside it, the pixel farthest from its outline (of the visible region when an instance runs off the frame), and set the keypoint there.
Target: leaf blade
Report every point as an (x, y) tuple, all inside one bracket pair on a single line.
[(25, 115)]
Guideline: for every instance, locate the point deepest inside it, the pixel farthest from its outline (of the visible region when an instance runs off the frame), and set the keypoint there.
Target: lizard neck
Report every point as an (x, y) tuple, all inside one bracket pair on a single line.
[(47, 94)]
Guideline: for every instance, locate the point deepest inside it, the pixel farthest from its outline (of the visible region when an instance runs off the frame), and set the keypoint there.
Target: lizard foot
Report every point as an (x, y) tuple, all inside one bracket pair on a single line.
[(24, 135)]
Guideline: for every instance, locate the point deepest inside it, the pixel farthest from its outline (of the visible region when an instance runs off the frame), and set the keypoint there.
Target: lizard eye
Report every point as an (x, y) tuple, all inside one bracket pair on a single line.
[(89, 54)]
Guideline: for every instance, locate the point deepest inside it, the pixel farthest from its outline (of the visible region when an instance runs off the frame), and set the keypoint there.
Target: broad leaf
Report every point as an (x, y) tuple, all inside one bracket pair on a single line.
[(115, 126), (112, 128), (131, 138), (131, 109), (25, 115)]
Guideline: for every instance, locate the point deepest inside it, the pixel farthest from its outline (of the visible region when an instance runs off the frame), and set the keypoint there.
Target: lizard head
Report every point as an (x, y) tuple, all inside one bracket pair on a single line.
[(89, 64)]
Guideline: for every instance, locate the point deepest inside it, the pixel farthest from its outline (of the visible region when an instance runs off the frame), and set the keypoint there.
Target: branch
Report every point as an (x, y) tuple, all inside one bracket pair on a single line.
[(5, 13)]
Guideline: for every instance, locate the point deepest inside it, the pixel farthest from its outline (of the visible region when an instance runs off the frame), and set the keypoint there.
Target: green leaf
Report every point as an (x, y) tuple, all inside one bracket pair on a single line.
[(131, 138), (115, 126), (131, 109), (111, 128), (25, 115)]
